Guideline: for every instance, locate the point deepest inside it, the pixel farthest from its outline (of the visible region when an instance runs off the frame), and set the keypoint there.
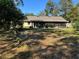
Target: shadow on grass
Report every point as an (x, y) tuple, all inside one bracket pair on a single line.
[(69, 48), (36, 36), (33, 36), (23, 55)]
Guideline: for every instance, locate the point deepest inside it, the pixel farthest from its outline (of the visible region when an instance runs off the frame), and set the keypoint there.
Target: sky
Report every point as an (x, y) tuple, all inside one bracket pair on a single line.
[(36, 6)]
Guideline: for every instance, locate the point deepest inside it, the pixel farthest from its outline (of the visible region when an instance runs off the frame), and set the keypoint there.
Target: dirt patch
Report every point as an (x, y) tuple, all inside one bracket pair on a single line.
[(49, 47)]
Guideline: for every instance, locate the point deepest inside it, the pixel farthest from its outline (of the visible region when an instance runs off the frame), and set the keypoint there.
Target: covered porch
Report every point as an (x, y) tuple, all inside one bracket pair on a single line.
[(48, 24)]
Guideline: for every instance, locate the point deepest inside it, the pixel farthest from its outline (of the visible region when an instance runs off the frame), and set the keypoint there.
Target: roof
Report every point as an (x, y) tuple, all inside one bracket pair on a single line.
[(46, 18)]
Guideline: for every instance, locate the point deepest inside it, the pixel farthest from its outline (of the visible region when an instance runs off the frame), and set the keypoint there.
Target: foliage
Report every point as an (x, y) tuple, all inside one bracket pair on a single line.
[(23, 48), (18, 2), (64, 31), (76, 25), (18, 39), (69, 30), (71, 12), (51, 8), (29, 14), (73, 15), (41, 13), (66, 6), (9, 14)]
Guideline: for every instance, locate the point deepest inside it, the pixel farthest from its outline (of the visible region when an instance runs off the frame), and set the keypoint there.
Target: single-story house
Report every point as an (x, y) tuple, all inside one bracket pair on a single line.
[(44, 22)]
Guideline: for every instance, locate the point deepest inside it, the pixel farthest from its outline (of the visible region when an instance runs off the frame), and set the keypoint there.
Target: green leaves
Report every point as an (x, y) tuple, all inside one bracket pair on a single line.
[(76, 24), (51, 8), (9, 13), (66, 6), (18, 2)]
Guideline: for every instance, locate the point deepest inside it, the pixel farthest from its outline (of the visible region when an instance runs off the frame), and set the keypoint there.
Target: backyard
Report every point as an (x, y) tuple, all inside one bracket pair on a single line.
[(39, 29), (33, 44)]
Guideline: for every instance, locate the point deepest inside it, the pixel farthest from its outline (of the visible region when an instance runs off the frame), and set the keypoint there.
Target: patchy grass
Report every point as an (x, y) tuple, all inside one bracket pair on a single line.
[(52, 38), (22, 48)]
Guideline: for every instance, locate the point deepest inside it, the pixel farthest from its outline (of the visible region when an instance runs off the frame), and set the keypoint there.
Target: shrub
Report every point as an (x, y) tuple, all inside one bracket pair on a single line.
[(64, 31), (18, 39), (68, 30), (76, 25)]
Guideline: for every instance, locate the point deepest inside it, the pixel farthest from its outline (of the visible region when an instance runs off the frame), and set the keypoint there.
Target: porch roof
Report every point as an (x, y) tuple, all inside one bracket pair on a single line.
[(45, 19)]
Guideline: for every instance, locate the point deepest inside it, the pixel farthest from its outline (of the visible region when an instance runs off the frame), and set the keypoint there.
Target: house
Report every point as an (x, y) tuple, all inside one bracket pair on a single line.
[(44, 22)]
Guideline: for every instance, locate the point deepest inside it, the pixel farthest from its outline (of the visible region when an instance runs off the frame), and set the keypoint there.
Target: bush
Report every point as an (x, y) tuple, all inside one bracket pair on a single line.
[(58, 32), (64, 31), (76, 25), (69, 30)]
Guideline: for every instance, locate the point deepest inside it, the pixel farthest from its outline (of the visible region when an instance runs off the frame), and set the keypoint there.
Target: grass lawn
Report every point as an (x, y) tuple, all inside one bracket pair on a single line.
[(51, 38)]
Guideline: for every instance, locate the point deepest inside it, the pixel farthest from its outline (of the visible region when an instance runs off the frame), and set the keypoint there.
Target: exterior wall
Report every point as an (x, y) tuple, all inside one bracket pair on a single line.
[(44, 25), (27, 24), (69, 25)]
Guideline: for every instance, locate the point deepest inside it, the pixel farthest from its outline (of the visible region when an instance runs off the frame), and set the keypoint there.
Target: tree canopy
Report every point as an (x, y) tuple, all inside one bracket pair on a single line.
[(65, 8), (9, 14), (29, 14), (51, 8)]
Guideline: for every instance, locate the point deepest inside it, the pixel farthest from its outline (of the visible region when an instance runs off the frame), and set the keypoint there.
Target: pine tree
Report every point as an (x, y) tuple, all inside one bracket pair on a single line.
[(66, 6)]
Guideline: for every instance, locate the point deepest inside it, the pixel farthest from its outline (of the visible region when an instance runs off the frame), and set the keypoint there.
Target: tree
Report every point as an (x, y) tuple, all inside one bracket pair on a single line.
[(9, 14), (66, 6), (73, 14), (51, 8), (29, 14), (76, 24), (78, 7), (41, 13), (18, 2), (76, 20), (78, 4)]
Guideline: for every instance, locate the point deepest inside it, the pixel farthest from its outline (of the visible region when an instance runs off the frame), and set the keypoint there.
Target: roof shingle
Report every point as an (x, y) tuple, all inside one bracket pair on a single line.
[(46, 18)]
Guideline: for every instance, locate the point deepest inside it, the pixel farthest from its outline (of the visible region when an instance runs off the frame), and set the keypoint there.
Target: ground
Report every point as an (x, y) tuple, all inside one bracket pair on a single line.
[(38, 45)]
